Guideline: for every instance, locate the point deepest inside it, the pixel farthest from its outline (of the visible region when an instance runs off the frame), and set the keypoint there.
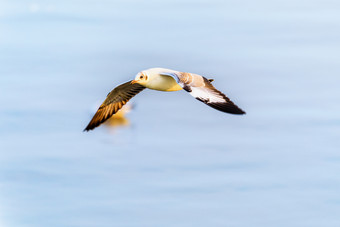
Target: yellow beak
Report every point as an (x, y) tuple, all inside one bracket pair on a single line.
[(134, 81)]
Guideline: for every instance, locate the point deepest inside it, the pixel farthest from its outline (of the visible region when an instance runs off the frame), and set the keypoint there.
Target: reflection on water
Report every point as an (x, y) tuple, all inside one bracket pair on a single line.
[(178, 163), (119, 119)]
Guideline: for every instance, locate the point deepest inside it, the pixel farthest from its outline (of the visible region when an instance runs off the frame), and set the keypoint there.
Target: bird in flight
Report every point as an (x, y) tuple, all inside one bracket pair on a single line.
[(163, 80)]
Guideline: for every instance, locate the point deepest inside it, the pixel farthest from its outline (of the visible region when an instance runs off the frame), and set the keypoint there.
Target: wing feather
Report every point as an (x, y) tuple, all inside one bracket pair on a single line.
[(202, 89), (114, 102)]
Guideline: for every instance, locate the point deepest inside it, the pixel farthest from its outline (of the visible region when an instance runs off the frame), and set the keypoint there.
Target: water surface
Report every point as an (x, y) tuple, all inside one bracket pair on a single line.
[(178, 162)]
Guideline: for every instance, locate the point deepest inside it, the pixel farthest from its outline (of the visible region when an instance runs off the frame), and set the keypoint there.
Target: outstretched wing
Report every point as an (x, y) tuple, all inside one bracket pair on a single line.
[(202, 89), (113, 102), (214, 98)]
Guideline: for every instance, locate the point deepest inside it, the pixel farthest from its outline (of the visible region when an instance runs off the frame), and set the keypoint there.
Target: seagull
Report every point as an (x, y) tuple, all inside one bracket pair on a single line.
[(163, 80)]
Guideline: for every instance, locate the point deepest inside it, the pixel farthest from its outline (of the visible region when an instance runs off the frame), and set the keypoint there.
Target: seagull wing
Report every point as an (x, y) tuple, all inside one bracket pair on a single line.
[(202, 89), (113, 102)]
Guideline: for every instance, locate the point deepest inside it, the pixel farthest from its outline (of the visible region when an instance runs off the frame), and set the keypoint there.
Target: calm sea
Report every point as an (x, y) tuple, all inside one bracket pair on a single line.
[(173, 161)]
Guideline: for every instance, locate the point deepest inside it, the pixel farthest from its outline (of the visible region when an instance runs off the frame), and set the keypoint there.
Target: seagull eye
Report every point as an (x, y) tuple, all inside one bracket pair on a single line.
[(143, 77)]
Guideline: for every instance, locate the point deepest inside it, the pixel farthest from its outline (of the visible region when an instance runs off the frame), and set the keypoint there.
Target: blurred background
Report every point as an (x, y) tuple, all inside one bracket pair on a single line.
[(175, 162)]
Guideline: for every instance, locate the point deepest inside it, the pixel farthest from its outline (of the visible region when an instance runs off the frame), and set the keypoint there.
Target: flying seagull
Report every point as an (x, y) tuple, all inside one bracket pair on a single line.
[(163, 80)]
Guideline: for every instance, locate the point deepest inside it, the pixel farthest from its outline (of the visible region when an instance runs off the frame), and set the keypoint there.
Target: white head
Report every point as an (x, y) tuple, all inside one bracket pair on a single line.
[(141, 78), (145, 76)]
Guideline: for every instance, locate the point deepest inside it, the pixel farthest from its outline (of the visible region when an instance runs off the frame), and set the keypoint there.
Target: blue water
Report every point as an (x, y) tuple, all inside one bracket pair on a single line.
[(177, 162)]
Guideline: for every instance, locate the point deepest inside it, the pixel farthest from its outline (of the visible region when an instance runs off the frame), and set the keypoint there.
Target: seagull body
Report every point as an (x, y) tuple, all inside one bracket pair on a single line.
[(159, 79), (163, 80)]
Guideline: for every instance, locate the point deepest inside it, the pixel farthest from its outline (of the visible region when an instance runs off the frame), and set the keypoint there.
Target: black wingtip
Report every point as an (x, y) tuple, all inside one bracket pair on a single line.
[(87, 129), (227, 107), (92, 125), (240, 112)]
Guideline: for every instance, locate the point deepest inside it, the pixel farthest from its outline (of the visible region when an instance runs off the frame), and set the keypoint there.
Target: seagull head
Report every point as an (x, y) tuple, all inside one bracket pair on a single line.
[(141, 78)]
